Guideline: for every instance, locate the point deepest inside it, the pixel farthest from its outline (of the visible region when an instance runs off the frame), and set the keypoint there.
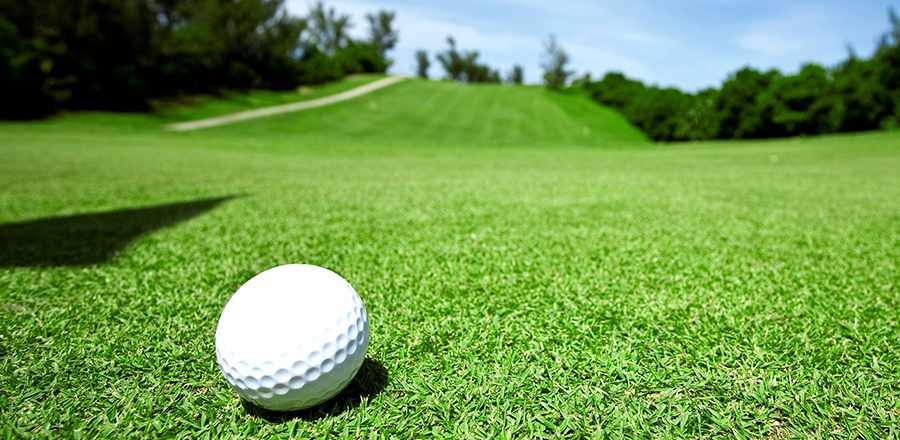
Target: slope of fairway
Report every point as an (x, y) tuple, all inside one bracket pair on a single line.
[(291, 107), (744, 290), (412, 113), (230, 102), (190, 108), (445, 113)]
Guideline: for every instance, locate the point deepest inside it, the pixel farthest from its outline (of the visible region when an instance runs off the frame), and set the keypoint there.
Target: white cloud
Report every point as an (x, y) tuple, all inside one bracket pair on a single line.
[(796, 31)]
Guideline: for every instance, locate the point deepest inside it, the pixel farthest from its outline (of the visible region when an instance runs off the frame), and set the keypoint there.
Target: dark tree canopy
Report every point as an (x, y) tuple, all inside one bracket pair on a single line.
[(423, 63), (516, 75), (120, 54)]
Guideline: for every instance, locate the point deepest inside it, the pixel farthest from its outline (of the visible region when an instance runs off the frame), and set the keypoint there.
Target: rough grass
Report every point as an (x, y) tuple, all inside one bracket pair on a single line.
[(591, 287)]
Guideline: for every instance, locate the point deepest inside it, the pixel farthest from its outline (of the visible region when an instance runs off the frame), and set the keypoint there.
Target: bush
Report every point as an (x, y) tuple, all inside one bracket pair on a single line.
[(361, 58), (316, 67)]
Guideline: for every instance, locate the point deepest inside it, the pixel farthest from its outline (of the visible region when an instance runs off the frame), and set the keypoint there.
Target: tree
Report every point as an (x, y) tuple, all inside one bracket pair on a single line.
[(231, 44), (475, 72), (516, 75), (887, 67), (700, 118), (661, 113), (737, 106), (120, 54), (381, 31), (463, 66), (329, 30), (615, 90), (24, 69), (317, 67), (452, 61), (422, 63), (802, 103), (101, 59), (866, 101), (582, 81), (554, 63), (894, 33), (360, 57), (858, 94)]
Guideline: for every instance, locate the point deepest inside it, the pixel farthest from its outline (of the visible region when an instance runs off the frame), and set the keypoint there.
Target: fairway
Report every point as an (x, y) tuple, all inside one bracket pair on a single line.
[(531, 267)]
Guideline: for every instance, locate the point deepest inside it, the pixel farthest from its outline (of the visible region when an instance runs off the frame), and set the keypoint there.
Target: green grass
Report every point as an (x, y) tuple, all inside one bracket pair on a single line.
[(208, 106), (195, 107), (523, 278), (428, 114)]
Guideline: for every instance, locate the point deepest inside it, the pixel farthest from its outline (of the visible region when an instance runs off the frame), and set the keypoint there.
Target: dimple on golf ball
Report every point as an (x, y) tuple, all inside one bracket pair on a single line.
[(292, 337)]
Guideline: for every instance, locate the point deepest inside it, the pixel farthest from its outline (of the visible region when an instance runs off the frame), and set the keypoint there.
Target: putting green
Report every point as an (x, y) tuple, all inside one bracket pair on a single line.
[(531, 266)]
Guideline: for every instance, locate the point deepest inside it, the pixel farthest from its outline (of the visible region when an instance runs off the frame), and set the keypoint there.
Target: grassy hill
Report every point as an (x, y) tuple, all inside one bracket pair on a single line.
[(413, 113), (443, 113), (198, 107), (550, 282)]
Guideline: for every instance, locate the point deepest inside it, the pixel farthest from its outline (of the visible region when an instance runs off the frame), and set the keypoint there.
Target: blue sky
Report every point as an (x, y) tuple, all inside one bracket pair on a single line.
[(685, 43)]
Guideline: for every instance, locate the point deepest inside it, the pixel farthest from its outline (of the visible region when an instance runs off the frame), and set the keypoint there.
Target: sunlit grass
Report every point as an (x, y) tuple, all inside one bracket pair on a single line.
[(524, 278)]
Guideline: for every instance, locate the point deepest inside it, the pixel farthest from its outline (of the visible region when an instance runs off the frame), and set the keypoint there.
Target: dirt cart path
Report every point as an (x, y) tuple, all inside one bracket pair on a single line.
[(285, 108)]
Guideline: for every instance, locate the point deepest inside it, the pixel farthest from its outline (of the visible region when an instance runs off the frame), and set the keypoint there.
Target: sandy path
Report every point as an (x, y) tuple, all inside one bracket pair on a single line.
[(285, 108)]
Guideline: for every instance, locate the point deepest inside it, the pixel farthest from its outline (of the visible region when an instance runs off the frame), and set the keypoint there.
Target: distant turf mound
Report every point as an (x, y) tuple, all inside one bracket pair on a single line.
[(445, 113)]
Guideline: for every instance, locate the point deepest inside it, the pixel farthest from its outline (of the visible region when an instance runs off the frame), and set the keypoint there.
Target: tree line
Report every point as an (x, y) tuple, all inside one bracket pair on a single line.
[(464, 66), (856, 95), (122, 54)]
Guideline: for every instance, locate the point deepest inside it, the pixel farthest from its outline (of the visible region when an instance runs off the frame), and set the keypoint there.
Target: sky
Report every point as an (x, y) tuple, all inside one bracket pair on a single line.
[(690, 44)]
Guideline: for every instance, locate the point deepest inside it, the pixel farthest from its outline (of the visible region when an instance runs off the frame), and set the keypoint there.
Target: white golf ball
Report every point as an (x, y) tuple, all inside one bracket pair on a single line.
[(292, 337)]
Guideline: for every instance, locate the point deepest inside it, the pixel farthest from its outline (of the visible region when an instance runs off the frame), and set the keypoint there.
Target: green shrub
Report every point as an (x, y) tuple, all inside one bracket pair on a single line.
[(361, 58)]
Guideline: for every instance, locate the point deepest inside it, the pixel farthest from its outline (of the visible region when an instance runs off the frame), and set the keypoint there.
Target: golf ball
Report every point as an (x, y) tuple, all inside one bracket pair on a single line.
[(292, 337)]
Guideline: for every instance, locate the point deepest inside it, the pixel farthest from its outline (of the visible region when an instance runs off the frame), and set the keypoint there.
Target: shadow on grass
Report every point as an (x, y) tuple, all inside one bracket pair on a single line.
[(94, 238), (369, 381)]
